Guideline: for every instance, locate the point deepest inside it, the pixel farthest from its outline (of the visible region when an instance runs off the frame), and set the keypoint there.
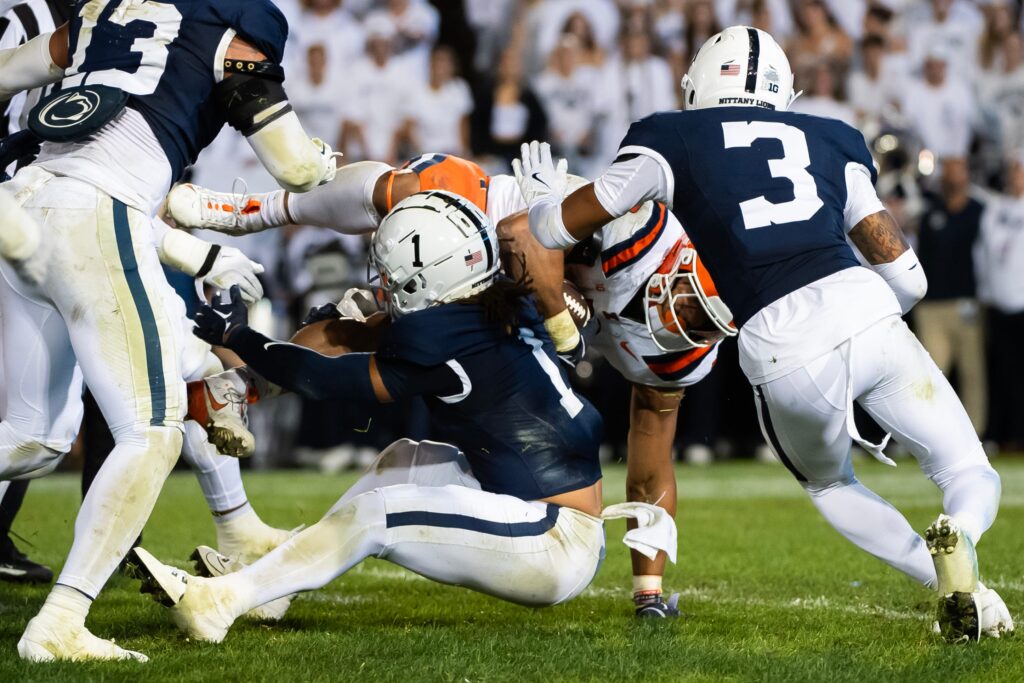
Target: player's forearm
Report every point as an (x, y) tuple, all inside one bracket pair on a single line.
[(182, 251), (29, 66), (881, 241), (303, 370)]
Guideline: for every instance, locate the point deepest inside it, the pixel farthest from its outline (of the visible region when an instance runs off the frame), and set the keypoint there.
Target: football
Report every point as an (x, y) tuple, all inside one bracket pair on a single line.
[(577, 304)]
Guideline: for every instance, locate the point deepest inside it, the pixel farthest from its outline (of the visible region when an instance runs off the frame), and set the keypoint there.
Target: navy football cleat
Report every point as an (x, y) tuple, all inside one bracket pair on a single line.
[(660, 609)]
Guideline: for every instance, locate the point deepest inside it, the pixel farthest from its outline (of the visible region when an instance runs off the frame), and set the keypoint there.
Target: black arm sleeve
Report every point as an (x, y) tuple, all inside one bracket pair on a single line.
[(346, 377)]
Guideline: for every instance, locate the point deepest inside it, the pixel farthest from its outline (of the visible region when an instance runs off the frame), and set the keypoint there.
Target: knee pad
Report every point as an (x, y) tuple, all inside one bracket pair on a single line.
[(162, 444), (975, 462), (816, 489)]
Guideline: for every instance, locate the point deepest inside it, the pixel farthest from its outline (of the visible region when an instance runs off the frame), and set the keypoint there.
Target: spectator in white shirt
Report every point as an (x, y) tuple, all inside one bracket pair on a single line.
[(1001, 263), (317, 94), (940, 110), (822, 100), (1002, 93), (416, 26), (441, 108), (952, 24), (376, 108), (569, 91), (869, 92), (327, 23)]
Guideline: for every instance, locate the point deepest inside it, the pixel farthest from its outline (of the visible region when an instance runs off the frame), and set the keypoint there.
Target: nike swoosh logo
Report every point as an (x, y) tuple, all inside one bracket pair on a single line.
[(214, 403), (625, 347), (10, 571), (536, 176)]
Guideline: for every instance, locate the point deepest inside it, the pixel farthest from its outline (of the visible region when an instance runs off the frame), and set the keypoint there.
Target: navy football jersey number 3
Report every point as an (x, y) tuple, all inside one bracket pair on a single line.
[(122, 44), (759, 212)]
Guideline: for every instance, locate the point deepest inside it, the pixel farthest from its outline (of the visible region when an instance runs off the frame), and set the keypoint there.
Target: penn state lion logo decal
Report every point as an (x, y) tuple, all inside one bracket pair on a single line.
[(70, 109), (76, 113)]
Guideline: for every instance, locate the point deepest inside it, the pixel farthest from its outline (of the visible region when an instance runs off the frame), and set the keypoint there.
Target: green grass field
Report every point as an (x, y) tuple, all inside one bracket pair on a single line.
[(769, 592)]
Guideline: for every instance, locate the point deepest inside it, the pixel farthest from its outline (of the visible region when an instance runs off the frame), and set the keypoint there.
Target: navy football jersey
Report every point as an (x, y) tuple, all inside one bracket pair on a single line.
[(761, 194), (522, 428), (164, 55)]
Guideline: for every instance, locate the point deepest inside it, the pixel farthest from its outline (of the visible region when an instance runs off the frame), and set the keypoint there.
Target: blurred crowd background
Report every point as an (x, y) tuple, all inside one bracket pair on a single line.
[(936, 86)]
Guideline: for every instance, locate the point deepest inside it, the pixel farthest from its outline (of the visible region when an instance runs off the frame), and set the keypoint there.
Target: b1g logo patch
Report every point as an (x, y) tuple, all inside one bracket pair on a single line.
[(75, 114)]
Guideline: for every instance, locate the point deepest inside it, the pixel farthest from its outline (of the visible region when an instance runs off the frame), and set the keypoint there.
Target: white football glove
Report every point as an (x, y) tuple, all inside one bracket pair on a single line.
[(232, 267), (537, 174)]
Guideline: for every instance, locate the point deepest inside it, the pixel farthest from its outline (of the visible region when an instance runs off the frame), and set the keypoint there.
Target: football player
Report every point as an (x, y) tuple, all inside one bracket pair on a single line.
[(769, 198), (642, 275), (144, 87), (525, 526)]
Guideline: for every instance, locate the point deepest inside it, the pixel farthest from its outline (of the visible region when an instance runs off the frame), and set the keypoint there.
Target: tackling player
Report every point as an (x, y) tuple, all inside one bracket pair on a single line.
[(769, 198), (526, 526), (659, 314), (144, 87)]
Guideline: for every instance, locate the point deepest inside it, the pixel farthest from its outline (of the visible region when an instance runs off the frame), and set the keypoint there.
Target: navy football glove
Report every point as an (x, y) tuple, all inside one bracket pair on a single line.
[(319, 314), (215, 324)]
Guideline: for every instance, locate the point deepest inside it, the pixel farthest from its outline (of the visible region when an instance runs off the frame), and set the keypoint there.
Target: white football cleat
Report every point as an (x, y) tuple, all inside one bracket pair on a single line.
[(195, 608), (956, 569), (221, 409), (210, 563), (956, 562), (48, 640), (192, 206), (995, 617)]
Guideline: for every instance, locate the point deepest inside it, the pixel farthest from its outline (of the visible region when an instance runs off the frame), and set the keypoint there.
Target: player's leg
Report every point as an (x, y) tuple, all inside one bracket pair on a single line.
[(107, 283), (524, 552), (241, 533), (911, 398), (803, 418), (41, 397), (651, 478), (346, 204), (915, 402)]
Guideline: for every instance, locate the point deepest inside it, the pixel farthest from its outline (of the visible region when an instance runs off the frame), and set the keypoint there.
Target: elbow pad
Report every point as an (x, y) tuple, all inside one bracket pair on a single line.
[(187, 253), (546, 223), (906, 277), (297, 162), (28, 66)]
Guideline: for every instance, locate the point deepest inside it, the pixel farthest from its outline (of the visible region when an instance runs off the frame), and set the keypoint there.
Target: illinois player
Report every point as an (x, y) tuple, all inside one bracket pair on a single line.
[(526, 526), (769, 197), (145, 86)]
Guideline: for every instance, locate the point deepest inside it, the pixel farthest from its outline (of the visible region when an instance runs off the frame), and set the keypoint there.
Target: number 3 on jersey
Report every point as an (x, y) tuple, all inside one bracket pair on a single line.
[(759, 212)]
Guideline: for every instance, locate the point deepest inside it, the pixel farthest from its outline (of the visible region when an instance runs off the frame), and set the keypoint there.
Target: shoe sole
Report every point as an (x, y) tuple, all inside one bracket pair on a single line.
[(955, 565), (138, 569), (959, 621)]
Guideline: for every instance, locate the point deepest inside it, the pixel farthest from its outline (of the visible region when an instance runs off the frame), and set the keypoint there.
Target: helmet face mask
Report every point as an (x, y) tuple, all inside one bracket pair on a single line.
[(432, 248), (683, 309), (741, 66)]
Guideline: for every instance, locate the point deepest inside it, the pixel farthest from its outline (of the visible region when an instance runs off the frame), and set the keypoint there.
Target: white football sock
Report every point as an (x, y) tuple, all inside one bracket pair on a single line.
[(118, 504), (273, 211), (971, 497), (219, 476), (875, 526), (345, 204), (310, 559), (67, 605)]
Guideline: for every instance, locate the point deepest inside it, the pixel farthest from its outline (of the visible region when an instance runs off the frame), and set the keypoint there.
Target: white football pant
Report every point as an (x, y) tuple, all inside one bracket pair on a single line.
[(437, 523), (806, 416), (100, 302)]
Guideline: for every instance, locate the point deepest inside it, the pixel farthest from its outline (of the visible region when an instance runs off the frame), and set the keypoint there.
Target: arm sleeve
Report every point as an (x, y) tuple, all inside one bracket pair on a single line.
[(28, 66), (319, 377), (636, 176), (861, 198)]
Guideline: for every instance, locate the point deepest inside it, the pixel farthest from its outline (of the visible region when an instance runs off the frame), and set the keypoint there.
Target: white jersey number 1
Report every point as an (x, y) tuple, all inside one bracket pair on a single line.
[(759, 212)]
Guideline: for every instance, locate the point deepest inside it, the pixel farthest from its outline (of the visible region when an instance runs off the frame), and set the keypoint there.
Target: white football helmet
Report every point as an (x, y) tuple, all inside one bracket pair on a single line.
[(741, 66), (433, 248)]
